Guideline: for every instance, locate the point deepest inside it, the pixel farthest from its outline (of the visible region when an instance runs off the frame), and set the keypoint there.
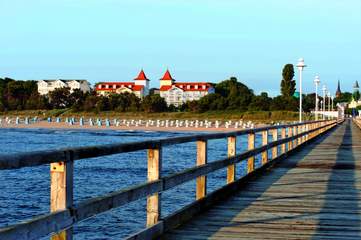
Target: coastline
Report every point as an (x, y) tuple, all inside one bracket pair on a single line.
[(66, 126)]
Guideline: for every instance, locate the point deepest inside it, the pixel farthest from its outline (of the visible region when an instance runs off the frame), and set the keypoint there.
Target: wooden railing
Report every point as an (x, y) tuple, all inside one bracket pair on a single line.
[(64, 213)]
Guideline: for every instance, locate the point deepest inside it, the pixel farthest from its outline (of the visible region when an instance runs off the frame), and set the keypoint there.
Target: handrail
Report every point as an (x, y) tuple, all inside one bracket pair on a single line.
[(68, 214), (36, 158)]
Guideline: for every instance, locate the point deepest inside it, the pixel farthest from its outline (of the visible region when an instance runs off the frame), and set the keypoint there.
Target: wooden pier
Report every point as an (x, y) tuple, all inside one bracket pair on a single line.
[(307, 187), (314, 194)]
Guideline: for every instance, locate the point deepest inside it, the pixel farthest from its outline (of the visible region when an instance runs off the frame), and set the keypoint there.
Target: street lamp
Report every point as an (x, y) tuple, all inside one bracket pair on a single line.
[(332, 97), (329, 100), (324, 101), (300, 65), (317, 82)]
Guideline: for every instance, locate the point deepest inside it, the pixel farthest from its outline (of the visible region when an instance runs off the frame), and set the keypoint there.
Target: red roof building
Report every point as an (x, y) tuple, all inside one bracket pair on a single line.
[(140, 86), (177, 93)]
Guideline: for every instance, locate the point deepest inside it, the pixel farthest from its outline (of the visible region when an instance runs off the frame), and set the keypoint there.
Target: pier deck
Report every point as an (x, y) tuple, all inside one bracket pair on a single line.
[(313, 194)]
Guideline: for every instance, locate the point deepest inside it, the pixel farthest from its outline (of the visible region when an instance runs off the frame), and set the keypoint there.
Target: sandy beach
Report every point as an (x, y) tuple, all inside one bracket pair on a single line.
[(63, 125)]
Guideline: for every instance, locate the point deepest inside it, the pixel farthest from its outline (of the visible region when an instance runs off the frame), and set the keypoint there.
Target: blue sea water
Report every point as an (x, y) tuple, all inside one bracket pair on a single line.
[(25, 192)]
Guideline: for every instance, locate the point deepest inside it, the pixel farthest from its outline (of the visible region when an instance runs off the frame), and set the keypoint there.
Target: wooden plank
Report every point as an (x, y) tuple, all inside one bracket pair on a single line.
[(264, 143), (61, 191), (231, 169), (201, 182), (154, 171), (251, 145), (274, 138), (283, 136)]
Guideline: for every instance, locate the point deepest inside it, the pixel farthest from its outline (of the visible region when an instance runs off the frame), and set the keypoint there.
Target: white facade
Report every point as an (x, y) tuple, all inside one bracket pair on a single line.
[(177, 96), (46, 86)]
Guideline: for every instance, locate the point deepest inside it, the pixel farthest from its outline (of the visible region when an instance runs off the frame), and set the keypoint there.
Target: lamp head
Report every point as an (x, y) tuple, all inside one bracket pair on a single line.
[(301, 64), (317, 80)]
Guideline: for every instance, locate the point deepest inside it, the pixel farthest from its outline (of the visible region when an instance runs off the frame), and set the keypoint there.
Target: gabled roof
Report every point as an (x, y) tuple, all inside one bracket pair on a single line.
[(141, 76), (189, 86), (167, 76)]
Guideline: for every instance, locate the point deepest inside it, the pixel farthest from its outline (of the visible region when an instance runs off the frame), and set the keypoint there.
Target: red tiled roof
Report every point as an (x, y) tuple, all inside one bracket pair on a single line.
[(184, 86), (167, 76), (141, 76), (130, 85)]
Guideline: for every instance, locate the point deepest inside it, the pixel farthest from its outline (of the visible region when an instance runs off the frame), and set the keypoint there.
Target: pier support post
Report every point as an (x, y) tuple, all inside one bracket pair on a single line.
[(154, 170), (61, 191), (264, 142), (231, 169), (250, 165), (201, 182)]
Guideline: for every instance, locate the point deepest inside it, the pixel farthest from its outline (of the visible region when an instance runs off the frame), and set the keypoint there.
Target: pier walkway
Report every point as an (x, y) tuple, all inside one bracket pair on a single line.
[(313, 194)]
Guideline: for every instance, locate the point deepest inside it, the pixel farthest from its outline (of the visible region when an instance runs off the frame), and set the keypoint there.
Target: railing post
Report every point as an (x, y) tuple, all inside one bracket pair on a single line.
[(250, 165), (264, 142), (283, 136), (289, 134), (295, 142), (274, 138), (299, 130), (154, 171), (61, 191), (201, 188), (231, 169)]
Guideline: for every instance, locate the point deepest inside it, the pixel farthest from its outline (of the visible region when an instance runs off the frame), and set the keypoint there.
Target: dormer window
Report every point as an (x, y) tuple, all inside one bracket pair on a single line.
[(188, 86), (114, 86), (107, 86), (196, 87), (204, 86)]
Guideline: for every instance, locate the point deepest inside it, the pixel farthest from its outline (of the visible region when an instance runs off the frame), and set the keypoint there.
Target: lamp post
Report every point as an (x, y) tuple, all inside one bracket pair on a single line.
[(300, 65), (324, 101), (317, 82), (329, 100)]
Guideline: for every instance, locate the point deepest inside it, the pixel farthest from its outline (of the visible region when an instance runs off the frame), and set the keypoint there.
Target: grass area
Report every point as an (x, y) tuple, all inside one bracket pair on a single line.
[(259, 116)]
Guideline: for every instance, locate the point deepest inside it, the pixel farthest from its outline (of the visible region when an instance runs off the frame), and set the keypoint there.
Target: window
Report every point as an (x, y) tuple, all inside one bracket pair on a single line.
[(196, 87), (204, 86), (188, 86)]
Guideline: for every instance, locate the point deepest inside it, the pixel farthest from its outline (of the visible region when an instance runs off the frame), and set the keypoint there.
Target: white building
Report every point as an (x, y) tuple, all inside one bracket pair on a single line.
[(46, 86), (181, 92), (140, 86)]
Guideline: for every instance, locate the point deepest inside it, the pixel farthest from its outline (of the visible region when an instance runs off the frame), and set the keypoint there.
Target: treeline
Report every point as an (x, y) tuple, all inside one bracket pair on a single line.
[(230, 95)]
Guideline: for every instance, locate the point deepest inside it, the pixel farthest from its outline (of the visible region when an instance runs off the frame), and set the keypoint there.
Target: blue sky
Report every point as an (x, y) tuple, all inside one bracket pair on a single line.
[(111, 40)]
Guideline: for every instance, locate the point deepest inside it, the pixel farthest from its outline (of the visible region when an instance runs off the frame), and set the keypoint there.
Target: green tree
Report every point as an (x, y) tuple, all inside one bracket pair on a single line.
[(288, 85), (356, 95), (154, 103), (60, 98), (260, 103)]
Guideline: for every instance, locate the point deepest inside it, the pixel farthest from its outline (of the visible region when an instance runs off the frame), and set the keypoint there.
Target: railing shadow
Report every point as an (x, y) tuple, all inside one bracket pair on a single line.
[(209, 223), (340, 213)]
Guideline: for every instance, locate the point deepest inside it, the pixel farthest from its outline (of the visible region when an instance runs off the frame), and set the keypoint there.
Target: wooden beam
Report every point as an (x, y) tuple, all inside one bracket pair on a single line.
[(251, 144), (201, 182), (61, 191), (264, 142), (154, 171), (231, 169), (283, 135), (274, 138)]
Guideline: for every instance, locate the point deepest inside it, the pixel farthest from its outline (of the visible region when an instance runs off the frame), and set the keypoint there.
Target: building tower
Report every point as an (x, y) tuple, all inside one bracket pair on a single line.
[(142, 80), (167, 79), (338, 90)]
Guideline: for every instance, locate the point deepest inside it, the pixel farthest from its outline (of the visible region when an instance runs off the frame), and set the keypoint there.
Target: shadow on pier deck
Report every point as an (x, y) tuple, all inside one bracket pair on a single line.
[(313, 194)]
